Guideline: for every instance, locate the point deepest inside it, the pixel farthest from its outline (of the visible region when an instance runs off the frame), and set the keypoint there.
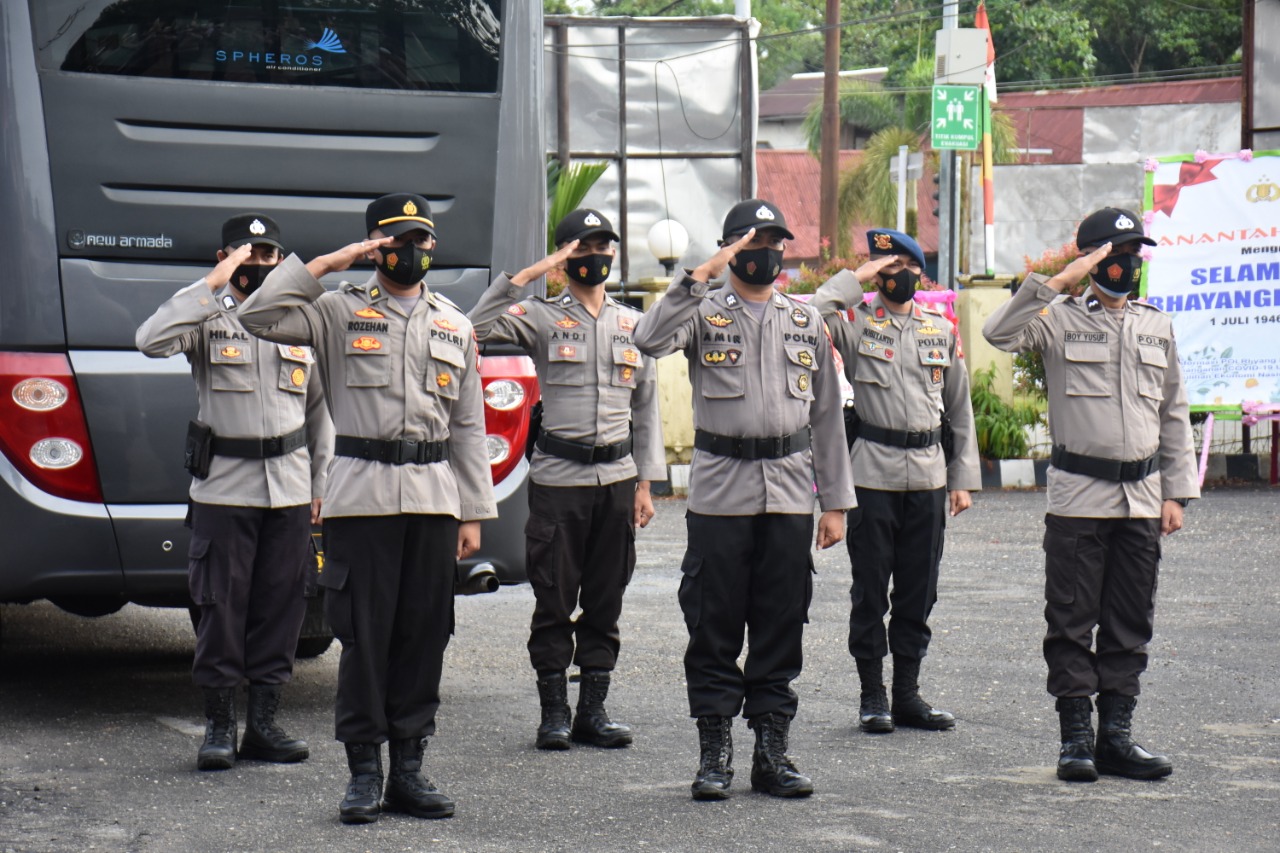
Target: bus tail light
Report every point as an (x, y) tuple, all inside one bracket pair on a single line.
[(42, 426)]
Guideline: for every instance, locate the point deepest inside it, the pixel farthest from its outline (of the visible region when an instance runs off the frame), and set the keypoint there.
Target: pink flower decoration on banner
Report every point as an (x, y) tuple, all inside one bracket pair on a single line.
[(1246, 154), (1148, 217), (1151, 164), (1146, 254), (1201, 155)]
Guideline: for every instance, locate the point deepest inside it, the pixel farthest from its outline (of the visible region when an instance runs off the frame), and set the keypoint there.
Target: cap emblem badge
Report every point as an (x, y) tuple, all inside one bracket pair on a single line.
[(410, 209), (591, 219), (257, 228), (883, 242), (765, 213), (1124, 223)]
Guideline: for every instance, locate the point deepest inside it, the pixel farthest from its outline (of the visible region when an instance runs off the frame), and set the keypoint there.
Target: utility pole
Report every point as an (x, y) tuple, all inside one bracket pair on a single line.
[(830, 174), (948, 187)]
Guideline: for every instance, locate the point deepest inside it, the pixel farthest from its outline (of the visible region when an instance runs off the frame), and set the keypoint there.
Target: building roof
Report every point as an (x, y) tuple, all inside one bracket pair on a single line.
[(792, 98), (1050, 123), (792, 181)]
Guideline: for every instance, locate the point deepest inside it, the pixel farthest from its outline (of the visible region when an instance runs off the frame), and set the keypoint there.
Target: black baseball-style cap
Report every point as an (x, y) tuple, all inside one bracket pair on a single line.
[(754, 213), (1113, 225), (581, 223), (399, 213), (251, 228)]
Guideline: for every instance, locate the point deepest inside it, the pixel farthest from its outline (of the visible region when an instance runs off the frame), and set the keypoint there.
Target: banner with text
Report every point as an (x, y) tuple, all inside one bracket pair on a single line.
[(1216, 269)]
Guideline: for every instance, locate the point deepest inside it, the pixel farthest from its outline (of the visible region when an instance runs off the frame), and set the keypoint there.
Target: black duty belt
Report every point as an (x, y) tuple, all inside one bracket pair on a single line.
[(899, 437), (576, 451), (259, 448), (393, 451), (1116, 470), (747, 447)]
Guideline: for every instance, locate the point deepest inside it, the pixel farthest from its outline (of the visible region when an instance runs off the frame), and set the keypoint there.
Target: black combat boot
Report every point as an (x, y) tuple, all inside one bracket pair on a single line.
[(362, 804), (1075, 759), (1117, 754), (591, 724), (218, 752), (908, 708), (873, 710), (715, 767), (553, 692), (408, 791), (263, 739), (771, 769)]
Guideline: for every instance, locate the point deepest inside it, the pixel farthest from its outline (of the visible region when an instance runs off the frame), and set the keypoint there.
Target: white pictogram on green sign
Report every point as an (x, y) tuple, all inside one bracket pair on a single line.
[(956, 122)]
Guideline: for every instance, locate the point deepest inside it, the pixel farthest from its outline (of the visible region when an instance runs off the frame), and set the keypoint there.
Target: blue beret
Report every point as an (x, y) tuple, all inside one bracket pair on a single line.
[(884, 241)]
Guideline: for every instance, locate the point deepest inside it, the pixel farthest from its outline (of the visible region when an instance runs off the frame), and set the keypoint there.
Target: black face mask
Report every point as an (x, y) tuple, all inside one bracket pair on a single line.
[(900, 286), (589, 270), (405, 265), (248, 277), (757, 266), (1118, 275)]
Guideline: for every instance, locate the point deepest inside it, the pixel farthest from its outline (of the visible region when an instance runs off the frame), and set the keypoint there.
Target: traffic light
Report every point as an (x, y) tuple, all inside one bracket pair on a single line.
[(937, 194)]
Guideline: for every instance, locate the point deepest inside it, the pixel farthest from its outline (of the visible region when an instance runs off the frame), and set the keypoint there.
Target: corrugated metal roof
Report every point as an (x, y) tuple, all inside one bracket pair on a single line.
[(792, 97), (792, 181)]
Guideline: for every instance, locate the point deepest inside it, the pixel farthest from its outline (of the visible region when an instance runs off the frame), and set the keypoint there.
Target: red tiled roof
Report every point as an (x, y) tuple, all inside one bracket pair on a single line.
[(792, 181), (1054, 119)]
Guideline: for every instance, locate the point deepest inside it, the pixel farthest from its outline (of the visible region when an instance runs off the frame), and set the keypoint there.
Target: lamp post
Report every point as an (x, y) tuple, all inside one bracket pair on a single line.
[(668, 240)]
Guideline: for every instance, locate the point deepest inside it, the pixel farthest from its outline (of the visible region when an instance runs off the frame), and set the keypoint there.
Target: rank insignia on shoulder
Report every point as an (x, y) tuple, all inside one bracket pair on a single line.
[(228, 301), (802, 382), (730, 300), (567, 323), (718, 320), (630, 356), (1093, 303), (626, 324), (714, 357), (375, 292), (366, 343), (800, 318), (371, 314), (297, 377), (517, 310), (566, 299), (445, 323), (443, 379), (1044, 311)]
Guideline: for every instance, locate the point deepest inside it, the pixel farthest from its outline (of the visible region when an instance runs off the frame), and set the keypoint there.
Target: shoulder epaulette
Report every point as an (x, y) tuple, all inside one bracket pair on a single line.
[(351, 287), (439, 300)]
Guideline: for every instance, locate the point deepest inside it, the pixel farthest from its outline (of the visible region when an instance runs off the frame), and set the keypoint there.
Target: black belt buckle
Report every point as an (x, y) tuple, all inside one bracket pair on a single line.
[(779, 446), (273, 446), (408, 450)]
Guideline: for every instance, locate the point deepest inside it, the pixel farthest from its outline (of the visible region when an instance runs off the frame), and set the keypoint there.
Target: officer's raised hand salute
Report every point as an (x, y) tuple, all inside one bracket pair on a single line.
[(906, 366), (599, 447), (259, 453), (769, 423), (1123, 468), (408, 486)]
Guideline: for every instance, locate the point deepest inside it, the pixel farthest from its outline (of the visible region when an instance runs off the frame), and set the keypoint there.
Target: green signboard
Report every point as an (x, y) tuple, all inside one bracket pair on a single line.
[(957, 122)]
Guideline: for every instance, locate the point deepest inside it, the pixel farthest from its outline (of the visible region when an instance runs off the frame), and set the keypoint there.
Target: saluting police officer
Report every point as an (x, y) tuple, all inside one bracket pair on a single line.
[(1123, 468), (599, 447), (409, 485), (767, 412), (906, 366), (259, 453)]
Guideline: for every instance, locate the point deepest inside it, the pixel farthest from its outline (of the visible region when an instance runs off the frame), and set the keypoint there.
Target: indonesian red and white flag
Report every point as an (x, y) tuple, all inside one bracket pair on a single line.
[(980, 22)]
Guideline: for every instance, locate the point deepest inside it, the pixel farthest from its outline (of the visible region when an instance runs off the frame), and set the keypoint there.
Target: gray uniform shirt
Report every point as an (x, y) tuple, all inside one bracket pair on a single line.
[(759, 379), (389, 376), (247, 388), (1115, 392), (595, 383), (905, 369)]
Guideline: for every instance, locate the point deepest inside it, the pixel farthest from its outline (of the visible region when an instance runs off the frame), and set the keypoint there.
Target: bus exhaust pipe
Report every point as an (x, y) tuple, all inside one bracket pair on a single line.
[(476, 579)]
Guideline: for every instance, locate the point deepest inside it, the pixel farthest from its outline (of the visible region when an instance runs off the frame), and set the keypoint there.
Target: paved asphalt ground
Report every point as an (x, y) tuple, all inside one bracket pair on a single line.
[(99, 724)]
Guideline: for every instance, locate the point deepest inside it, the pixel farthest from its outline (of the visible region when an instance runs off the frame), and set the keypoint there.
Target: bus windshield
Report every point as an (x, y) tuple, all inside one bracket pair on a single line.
[(424, 45)]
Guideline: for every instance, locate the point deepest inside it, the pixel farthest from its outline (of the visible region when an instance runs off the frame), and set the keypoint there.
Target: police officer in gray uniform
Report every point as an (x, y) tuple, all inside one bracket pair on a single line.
[(600, 432), (409, 485), (266, 438), (907, 370), (1123, 468), (767, 412)]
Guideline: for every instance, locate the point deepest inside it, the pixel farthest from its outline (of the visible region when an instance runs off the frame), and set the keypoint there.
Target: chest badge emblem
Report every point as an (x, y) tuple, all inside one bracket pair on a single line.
[(718, 320), (365, 343)]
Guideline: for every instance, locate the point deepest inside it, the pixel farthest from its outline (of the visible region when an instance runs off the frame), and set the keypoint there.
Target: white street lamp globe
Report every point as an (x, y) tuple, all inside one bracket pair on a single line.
[(668, 240)]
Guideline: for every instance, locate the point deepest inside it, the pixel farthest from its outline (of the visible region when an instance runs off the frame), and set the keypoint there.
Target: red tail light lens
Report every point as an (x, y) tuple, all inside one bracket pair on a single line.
[(510, 391), (42, 425)]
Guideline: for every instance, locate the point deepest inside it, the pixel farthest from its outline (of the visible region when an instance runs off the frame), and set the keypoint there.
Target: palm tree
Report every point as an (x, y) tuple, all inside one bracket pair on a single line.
[(867, 192)]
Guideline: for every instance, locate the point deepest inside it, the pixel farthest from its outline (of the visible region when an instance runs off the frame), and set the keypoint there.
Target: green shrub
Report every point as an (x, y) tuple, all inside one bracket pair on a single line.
[(1000, 426)]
